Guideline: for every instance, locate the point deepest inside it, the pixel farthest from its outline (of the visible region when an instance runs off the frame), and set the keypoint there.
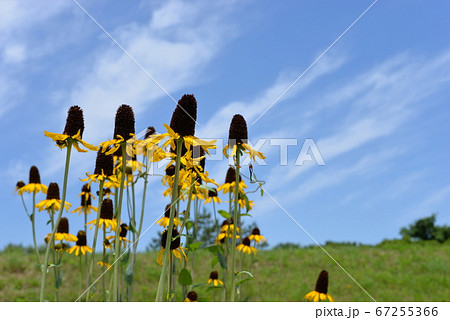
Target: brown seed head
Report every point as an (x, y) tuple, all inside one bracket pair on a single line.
[(106, 211), (231, 175), (84, 202), (105, 162), (238, 131), (74, 122), (175, 243), (212, 193), (53, 191), (192, 295), (149, 132), (184, 116), (256, 232), (123, 230), (124, 122), (34, 175), (322, 282), (246, 242), (63, 226), (81, 235), (170, 170), (214, 275), (20, 184)]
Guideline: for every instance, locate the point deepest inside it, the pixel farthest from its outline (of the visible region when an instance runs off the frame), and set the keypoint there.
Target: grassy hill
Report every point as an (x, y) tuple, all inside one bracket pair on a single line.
[(392, 271)]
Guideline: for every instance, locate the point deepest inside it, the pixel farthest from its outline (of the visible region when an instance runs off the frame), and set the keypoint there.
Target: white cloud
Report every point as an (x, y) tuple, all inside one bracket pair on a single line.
[(14, 53), (175, 53)]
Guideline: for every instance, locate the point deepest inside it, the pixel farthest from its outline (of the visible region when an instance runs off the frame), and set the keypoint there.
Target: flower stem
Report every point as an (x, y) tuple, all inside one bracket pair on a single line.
[(235, 217), (32, 218), (141, 220), (165, 269), (44, 266), (115, 291), (94, 243)]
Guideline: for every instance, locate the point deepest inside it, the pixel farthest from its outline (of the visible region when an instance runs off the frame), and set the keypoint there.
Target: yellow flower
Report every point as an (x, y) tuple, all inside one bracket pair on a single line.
[(246, 247), (320, 293), (72, 132), (226, 187), (214, 279), (213, 196), (62, 233), (122, 236), (34, 185), (106, 264), (257, 236), (191, 297), (81, 245), (106, 216), (175, 247), (164, 221), (19, 187), (53, 204), (63, 139)]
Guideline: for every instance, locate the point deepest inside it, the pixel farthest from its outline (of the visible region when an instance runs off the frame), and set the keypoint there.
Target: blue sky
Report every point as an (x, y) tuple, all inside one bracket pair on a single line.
[(376, 104)]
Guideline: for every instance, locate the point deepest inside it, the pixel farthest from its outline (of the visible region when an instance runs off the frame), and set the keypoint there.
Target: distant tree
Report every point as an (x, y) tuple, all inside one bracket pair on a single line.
[(287, 245), (425, 229)]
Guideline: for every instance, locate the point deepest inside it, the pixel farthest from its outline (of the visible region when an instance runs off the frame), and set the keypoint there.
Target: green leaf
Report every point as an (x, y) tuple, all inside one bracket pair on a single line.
[(189, 225), (224, 214), (214, 261), (244, 272), (239, 282), (125, 259), (129, 274), (194, 246), (212, 249), (245, 215), (262, 192), (221, 257), (58, 280), (184, 278)]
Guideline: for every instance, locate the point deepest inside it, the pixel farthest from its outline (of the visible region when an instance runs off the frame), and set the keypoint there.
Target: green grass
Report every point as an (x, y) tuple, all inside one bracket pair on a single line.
[(393, 271)]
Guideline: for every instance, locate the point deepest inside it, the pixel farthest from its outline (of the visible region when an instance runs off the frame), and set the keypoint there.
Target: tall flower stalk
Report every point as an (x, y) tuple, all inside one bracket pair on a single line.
[(182, 125), (71, 136)]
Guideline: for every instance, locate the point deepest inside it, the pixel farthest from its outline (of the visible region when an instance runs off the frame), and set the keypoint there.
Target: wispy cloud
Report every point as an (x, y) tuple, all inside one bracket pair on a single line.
[(175, 46)]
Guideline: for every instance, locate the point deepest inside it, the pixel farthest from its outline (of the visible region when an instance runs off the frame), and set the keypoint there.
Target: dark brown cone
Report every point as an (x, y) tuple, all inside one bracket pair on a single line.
[(123, 230), (184, 116), (105, 162), (20, 184), (212, 193), (214, 275), (256, 232), (175, 243), (167, 211), (63, 226), (81, 235), (322, 282), (84, 202), (192, 295), (149, 132), (231, 175), (106, 211), (74, 122), (246, 242), (124, 124), (225, 222), (53, 191), (170, 170), (34, 175), (238, 131)]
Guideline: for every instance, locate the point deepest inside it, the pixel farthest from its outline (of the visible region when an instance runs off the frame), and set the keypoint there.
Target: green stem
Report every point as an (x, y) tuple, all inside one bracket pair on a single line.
[(141, 220), (235, 216), (80, 275), (44, 266), (164, 272), (33, 226), (115, 291), (94, 243)]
